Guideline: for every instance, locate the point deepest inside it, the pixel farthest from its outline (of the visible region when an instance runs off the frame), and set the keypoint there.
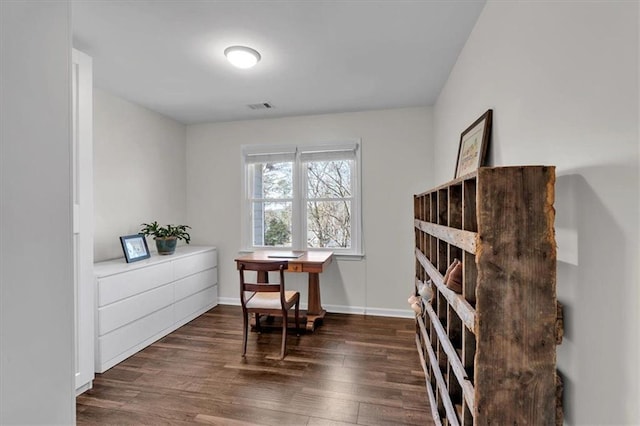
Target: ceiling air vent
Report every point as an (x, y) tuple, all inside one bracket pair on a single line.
[(261, 105)]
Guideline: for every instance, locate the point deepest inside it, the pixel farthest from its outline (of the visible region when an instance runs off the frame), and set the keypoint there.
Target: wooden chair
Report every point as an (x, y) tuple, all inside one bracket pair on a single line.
[(265, 298)]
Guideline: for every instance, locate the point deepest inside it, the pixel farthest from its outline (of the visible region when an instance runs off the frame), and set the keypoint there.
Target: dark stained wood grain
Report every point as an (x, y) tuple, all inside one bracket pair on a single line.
[(559, 323), (469, 176), (463, 239), (454, 362), (355, 369), (559, 396), (469, 216), (498, 368), (455, 206), (463, 308), (516, 296), (443, 207)]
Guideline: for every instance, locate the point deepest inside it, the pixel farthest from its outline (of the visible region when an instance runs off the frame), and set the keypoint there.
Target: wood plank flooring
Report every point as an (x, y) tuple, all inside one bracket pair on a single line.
[(354, 369)]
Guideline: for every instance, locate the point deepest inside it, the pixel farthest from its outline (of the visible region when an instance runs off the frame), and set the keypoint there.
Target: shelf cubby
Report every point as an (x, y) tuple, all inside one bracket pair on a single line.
[(474, 346)]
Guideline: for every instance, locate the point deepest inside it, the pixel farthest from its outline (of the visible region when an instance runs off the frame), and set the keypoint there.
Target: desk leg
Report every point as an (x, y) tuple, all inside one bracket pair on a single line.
[(314, 310), (263, 277)]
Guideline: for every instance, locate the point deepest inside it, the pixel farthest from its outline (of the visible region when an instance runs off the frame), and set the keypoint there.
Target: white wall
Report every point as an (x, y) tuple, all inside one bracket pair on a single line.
[(139, 171), (396, 152), (562, 79), (36, 281)]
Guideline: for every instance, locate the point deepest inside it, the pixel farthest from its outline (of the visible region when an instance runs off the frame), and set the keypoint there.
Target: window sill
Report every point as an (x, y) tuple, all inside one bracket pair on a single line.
[(348, 256)]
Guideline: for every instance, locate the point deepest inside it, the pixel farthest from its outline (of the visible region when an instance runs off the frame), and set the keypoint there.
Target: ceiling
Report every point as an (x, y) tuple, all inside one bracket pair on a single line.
[(317, 56)]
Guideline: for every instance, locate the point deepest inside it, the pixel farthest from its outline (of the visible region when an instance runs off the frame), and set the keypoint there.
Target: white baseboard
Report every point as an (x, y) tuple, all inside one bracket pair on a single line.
[(233, 301), (341, 309), (84, 388), (398, 313)]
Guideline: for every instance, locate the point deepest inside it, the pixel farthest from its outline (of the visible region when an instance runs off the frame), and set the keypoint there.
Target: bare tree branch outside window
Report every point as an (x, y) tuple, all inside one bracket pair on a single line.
[(329, 203)]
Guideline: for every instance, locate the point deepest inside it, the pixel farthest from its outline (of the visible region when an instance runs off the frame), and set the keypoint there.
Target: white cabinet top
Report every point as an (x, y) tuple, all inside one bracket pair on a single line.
[(116, 266)]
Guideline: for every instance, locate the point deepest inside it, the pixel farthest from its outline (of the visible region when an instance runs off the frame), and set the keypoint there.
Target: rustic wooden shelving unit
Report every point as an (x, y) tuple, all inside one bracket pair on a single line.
[(489, 354)]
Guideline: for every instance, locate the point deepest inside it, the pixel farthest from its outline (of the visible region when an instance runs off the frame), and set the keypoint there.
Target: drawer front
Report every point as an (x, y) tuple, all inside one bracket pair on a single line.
[(133, 308), (191, 304), (118, 341), (294, 267), (120, 286), (195, 283), (196, 263)]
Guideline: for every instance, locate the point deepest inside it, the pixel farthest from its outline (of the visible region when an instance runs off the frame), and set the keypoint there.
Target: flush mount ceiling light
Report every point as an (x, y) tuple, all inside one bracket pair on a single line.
[(242, 56)]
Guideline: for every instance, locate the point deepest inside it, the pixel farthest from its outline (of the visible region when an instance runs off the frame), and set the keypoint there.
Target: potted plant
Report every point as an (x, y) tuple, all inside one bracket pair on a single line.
[(166, 237)]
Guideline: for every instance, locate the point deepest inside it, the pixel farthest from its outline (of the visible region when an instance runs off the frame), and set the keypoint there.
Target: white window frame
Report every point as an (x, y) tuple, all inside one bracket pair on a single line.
[(300, 153)]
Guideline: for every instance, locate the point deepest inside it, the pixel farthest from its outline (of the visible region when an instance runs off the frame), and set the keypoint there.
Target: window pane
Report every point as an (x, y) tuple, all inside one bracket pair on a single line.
[(272, 224), (272, 180), (329, 224), (329, 179)]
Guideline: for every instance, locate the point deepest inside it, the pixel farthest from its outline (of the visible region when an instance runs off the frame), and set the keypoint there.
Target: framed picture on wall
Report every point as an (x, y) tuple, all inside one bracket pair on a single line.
[(474, 141), (134, 247)]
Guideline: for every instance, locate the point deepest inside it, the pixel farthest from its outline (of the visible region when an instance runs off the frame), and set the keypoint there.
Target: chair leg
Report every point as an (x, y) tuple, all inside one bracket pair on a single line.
[(258, 328), (284, 334), (298, 317), (245, 324)]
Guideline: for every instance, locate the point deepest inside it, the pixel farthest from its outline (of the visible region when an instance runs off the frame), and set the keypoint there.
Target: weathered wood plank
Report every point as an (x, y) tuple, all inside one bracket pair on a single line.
[(469, 176), (434, 249), (467, 417), (454, 360), (470, 277), (455, 206), (559, 323), (442, 387), (443, 205), (468, 352), (466, 240), (559, 395), (464, 310), (470, 219), (433, 201), (432, 398), (516, 296)]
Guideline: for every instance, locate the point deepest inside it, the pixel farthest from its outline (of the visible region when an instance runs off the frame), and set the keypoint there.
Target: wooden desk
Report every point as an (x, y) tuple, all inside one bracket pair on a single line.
[(311, 262)]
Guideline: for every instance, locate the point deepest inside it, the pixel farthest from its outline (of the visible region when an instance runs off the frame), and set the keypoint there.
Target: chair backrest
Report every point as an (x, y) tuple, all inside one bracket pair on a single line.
[(262, 269)]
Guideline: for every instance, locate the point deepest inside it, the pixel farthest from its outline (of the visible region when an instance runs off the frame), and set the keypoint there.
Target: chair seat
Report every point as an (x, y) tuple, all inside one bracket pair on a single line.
[(269, 300)]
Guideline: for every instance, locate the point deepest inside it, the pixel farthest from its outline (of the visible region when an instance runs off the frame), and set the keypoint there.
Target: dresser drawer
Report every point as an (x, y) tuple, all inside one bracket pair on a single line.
[(195, 302), (120, 340), (192, 264), (120, 286), (195, 283), (125, 311)]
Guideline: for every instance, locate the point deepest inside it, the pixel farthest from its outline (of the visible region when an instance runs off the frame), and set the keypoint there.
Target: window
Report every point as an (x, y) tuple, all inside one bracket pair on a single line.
[(302, 197)]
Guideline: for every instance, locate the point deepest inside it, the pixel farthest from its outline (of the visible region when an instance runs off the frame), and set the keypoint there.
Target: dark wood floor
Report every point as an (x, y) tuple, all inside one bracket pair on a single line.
[(354, 369)]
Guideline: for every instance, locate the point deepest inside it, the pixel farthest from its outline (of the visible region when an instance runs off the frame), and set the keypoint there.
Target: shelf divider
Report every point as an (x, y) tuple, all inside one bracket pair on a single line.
[(454, 361), (466, 240), (432, 398), (464, 310), (442, 387)]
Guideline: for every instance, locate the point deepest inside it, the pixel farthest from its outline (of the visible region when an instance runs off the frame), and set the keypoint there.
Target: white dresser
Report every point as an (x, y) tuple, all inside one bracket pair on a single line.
[(140, 302)]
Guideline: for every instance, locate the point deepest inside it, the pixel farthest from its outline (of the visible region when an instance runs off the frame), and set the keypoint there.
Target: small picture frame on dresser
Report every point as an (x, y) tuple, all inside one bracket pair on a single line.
[(134, 247)]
